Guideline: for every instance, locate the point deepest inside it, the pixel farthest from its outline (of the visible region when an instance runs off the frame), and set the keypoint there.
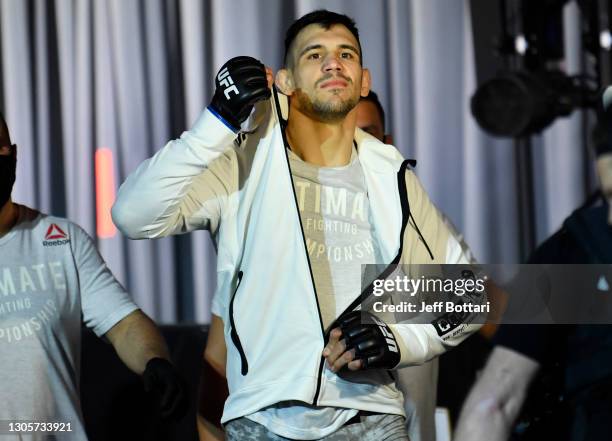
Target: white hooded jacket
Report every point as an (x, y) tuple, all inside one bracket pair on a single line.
[(240, 188)]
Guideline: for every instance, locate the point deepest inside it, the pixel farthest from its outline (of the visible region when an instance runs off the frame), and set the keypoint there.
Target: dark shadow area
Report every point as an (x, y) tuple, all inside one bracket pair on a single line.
[(115, 405)]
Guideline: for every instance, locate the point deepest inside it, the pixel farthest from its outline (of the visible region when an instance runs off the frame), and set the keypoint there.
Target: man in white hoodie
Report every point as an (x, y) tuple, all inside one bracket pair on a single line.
[(296, 207)]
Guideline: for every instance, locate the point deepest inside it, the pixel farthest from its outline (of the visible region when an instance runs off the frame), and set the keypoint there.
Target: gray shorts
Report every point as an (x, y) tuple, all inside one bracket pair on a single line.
[(377, 427)]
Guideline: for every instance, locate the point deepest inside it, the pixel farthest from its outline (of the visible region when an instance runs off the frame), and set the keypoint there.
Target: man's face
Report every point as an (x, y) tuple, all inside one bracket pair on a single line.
[(325, 72), (7, 165), (604, 171), (369, 120)]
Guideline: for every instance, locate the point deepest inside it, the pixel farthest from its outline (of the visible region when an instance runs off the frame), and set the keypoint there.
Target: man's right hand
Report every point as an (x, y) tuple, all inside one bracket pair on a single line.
[(240, 83)]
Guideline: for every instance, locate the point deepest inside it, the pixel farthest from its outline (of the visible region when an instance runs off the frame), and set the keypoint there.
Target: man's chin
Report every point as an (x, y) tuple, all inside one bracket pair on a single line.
[(332, 114), (328, 107), (334, 109)]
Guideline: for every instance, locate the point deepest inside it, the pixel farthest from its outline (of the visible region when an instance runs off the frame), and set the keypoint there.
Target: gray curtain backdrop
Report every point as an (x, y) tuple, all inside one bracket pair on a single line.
[(128, 75)]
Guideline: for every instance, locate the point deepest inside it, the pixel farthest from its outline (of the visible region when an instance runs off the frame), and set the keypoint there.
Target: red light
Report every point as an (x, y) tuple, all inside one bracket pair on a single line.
[(105, 193)]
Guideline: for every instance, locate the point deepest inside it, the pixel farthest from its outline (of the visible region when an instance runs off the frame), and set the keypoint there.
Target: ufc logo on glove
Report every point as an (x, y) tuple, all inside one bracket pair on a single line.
[(390, 339), (225, 80)]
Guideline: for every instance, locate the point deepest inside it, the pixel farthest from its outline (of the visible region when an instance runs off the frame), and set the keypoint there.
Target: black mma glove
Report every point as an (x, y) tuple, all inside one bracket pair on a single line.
[(240, 84), (162, 380), (371, 338)]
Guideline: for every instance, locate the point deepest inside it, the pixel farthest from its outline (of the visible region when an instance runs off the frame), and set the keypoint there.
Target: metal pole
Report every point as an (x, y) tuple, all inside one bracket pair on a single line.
[(525, 198), (605, 42), (523, 157)]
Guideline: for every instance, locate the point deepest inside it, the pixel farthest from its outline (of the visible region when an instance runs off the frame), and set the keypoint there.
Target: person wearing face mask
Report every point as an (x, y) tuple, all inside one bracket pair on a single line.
[(52, 280), (577, 358)]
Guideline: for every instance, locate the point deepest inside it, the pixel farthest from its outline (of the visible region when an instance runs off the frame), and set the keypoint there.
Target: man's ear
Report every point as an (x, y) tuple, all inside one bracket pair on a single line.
[(284, 82), (366, 82)]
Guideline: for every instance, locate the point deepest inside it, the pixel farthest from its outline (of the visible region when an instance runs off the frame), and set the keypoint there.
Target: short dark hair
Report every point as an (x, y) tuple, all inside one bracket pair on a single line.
[(323, 18), (373, 98)]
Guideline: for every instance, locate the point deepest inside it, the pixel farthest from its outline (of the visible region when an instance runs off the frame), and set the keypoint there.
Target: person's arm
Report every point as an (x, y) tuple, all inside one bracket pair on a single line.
[(141, 347), (213, 385), (137, 340), (497, 397), (187, 184), (207, 431), (183, 187), (216, 352), (108, 311), (426, 235), (420, 343)]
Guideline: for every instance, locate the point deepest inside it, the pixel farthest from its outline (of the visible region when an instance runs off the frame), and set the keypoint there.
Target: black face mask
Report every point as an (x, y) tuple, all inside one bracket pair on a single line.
[(8, 165)]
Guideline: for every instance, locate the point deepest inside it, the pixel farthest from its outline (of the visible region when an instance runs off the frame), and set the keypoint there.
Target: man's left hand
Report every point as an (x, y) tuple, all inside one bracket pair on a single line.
[(361, 341), (337, 355), (165, 383)]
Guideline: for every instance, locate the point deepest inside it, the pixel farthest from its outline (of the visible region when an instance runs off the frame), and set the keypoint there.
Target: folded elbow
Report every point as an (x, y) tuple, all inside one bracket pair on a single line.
[(125, 220)]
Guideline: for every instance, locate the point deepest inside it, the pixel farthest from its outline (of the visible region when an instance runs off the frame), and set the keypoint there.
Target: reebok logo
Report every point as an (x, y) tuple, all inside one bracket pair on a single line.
[(226, 81), (55, 236), (55, 232)]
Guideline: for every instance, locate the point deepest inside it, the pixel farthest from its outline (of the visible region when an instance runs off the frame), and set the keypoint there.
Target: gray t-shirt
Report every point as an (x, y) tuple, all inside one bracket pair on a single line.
[(334, 209), (51, 280)]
